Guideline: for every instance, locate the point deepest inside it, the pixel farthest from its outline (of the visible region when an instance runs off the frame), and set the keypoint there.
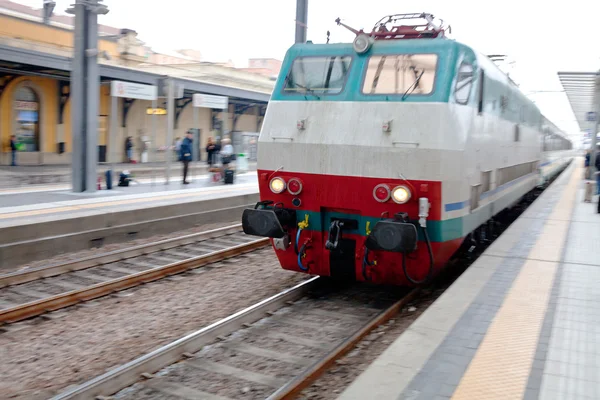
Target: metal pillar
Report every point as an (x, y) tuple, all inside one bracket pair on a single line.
[(85, 92), (112, 141), (301, 20), (595, 129), (225, 126), (77, 99), (154, 146), (196, 147), (170, 127)]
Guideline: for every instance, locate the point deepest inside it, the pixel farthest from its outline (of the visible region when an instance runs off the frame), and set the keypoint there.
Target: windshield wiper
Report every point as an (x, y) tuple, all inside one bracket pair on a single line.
[(307, 90), (413, 86)]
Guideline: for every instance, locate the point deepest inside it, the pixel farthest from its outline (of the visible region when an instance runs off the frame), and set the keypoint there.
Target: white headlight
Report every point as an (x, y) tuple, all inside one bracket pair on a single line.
[(362, 43), (401, 194), (277, 185)]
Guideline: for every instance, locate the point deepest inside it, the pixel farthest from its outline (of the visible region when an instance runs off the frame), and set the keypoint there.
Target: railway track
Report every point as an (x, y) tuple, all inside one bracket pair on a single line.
[(33, 292), (273, 349)]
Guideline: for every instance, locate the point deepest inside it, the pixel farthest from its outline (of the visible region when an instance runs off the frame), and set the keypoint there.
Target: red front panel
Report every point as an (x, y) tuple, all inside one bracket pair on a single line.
[(324, 195), (351, 193)]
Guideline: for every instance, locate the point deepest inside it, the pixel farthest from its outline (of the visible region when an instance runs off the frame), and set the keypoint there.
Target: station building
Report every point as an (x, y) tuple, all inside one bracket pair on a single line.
[(35, 65)]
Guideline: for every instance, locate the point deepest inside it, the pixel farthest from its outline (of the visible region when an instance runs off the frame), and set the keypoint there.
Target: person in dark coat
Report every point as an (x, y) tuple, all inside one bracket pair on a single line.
[(13, 150), (211, 147), (185, 155), (129, 148)]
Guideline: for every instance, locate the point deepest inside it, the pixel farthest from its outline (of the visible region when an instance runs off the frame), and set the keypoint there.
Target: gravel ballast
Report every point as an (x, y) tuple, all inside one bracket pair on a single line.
[(43, 357)]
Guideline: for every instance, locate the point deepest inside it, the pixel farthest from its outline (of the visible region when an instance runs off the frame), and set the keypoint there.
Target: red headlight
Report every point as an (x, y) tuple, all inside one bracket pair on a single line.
[(381, 193), (294, 186)]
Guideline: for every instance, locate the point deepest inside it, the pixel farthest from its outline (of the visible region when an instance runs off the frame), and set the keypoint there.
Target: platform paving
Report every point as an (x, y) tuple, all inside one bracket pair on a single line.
[(51, 195)]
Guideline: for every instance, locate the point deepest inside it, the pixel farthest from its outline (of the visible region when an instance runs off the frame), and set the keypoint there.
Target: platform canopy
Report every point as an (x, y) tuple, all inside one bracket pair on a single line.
[(583, 91)]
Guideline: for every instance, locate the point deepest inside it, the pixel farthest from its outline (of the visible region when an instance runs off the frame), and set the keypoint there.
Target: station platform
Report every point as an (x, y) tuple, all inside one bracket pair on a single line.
[(523, 322), (40, 223), (33, 175)]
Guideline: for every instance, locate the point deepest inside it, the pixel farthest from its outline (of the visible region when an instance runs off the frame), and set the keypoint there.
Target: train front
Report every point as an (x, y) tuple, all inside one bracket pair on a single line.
[(343, 160)]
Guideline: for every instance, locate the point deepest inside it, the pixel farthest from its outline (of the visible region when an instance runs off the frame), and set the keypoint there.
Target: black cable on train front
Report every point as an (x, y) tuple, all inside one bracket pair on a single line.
[(431, 262)]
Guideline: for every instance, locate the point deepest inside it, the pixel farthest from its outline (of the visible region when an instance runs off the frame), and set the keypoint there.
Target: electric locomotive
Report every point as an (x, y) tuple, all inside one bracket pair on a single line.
[(378, 158)]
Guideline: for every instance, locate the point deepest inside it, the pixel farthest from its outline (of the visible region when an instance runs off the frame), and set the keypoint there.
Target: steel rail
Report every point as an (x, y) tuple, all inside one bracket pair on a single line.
[(293, 388), (128, 374), (67, 299), (18, 277)]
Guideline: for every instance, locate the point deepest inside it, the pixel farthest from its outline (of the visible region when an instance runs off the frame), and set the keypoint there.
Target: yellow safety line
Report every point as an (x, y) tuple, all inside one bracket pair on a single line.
[(500, 368), (115, 202)]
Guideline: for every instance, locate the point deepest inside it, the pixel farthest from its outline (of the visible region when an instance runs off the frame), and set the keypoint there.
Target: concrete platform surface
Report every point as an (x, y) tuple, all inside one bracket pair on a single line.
[(523, 322), (35, 225), (32, 198)]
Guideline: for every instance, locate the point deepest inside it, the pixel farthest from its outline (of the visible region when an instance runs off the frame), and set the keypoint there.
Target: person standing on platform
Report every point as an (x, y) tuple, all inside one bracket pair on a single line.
[(13, 150), (129, 148), (185, 152), (210, 151)]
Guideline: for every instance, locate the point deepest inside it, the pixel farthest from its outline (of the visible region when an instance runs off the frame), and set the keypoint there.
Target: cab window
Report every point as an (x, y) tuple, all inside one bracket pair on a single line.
[(464, 83), (400, 74), (317, 75)]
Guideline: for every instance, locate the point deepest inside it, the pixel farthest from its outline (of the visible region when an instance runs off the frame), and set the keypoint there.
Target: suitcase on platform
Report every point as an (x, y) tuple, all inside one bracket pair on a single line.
[(229, 176)]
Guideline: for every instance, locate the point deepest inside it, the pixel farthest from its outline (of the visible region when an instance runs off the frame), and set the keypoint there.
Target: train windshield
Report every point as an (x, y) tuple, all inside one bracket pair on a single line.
[(400, 74), (317, 75)]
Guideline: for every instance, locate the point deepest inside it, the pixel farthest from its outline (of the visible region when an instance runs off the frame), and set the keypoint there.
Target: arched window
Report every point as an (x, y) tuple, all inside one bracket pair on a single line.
[(464, 82), (26, 108)]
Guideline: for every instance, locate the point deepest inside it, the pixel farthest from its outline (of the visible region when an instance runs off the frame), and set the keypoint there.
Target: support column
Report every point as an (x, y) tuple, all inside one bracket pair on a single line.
[(85, 90), (196, 147), (114, 125), (596, 127), (170, 127), (154, 147), (301, 20), (77, 101), (225, 127), (92, 107)]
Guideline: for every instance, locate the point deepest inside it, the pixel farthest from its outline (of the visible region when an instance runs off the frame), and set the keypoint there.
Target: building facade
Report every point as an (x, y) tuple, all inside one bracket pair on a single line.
[(35, 91)]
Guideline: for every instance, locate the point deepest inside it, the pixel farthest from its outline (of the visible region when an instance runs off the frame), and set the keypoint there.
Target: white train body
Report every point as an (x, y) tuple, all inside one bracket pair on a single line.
[(467, 141)]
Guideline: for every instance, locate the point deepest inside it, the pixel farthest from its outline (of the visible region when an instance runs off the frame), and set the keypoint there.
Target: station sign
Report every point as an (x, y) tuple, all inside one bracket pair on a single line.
[(156, 111), (591, 116), (133, 90), (210, 101)]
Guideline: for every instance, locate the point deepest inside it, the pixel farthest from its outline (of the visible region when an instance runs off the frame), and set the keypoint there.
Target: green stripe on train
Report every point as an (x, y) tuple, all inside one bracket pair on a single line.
[(439, 231)]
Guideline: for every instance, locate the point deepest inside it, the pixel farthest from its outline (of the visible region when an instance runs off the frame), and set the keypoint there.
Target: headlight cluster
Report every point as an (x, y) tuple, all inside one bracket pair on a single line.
[(279, 185), (400, 194)]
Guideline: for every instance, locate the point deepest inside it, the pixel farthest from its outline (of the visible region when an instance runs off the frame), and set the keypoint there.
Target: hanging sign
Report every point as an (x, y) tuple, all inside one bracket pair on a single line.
[(133, 90), (156, 111)]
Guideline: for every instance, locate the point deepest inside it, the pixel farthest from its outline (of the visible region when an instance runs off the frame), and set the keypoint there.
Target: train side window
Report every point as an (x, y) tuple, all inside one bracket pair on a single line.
[(464, 83), (481, 92)]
